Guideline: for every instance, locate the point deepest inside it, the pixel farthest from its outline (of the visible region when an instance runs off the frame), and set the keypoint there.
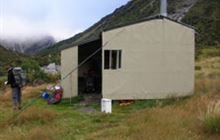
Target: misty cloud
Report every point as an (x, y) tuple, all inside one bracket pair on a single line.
[(59, 18)]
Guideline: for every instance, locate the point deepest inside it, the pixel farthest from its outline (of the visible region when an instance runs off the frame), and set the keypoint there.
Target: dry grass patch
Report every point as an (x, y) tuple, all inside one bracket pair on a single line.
[(208, 68), (42, 133), (179, 122), (30, 92), (6, 96), (37, 133), (35, 114), (27, 92), (153, 124), (211, 117), (207, 86)]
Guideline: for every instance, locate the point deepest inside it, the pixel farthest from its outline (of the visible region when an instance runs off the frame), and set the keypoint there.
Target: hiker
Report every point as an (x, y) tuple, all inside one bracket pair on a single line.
[(15, 80)]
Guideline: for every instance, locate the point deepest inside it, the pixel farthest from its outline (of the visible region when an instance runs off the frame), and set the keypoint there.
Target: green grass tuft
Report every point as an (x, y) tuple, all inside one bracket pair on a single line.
[(211, 118)]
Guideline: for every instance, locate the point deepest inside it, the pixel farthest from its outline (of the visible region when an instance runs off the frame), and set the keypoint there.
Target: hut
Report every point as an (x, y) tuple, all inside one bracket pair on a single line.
[(151, 58)]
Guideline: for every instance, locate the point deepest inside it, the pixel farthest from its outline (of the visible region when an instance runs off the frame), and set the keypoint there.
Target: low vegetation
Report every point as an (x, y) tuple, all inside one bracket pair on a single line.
[(34, 74), (211, 118), (8, 58), (192, 118), (31, 65), (207, 52)]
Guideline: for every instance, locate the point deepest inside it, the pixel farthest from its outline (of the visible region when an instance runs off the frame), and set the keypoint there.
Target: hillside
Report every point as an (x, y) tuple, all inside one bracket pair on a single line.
[(28, 46), (202, 14), (7, 58), (205, 16)]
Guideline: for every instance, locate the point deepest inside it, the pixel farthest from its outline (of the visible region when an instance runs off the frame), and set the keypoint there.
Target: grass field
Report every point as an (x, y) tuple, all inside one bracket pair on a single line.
[(190, 118)]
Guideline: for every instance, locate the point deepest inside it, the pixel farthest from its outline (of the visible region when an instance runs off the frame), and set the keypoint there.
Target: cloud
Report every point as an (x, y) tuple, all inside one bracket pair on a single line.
[(24, 18), (61, 19), (18, 27)]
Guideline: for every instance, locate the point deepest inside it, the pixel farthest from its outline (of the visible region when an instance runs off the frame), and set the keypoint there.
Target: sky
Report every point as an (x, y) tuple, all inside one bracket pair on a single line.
[(59, 18)]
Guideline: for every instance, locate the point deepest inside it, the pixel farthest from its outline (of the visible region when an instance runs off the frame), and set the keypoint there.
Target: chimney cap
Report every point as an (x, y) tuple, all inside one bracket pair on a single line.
[(163, 8)]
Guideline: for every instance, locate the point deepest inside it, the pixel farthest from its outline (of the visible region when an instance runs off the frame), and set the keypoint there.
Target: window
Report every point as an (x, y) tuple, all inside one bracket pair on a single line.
[(119, 59), (107, 60), (112, 59)]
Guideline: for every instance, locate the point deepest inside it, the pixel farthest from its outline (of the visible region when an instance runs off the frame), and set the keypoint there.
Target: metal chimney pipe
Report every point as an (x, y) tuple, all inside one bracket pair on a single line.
[(163, 8)]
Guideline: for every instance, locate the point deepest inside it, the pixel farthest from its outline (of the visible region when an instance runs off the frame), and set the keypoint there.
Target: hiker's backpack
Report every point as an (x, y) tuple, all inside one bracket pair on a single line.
[(19, 76)]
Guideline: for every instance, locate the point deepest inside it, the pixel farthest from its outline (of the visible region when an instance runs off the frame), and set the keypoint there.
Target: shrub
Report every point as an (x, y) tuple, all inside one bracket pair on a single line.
[(207, 52), (2, 80), (52, 77), (198, 67), (211, 118), (35, 75)]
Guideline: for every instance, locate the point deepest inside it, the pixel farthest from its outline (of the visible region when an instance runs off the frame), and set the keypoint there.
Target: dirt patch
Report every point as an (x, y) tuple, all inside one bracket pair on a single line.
[(88, 110), (91, 99)]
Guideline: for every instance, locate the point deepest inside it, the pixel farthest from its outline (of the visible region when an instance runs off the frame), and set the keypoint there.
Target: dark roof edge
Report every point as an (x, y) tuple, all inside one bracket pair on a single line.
[(148, 19), (80, 44)]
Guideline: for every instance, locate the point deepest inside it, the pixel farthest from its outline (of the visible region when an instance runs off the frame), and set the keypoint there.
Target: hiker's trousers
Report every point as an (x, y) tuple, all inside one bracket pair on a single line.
[(16, 96)]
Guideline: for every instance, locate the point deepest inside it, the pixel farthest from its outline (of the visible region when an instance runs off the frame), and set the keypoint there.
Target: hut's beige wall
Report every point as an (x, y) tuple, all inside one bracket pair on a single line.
[(157, 61), (69, 60)]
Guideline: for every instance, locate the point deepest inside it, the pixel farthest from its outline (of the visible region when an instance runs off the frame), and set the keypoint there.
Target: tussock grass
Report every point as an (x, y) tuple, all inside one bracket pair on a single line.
[(6, 96), (35, 114), (36, 133), (208, 78), (207, 86), (208, 52), (152, 124), (30, 92), (211, 118), (42, 133), (32, 124), (27, 92), (180, 121)]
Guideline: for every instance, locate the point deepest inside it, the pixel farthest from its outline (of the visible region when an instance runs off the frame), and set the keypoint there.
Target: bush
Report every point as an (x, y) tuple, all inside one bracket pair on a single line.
[(198, 67), (52, 77), (2, 80), (206, 52), (35, 75), (211, 118)]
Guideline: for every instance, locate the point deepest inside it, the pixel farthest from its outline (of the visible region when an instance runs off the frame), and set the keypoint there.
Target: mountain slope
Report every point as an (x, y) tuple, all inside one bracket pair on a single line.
[(205, 16), (187, 11), (8, 58), (29, 46)]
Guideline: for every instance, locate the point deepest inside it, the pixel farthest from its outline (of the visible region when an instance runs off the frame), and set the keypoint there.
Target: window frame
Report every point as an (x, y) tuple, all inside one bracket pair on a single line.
[(118, 58)]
